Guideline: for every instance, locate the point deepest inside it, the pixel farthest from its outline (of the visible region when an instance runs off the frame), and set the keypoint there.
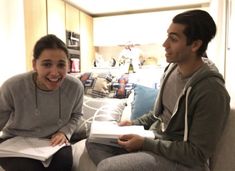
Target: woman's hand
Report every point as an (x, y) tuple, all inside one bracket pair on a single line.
[(59, 138), (131, 142)]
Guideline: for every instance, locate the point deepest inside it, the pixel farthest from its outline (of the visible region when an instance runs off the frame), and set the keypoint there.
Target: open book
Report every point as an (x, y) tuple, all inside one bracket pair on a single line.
[(107, 132), (35, 148)]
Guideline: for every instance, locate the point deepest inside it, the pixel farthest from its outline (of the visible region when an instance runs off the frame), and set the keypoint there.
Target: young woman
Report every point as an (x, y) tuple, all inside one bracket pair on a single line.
[(44, 103)]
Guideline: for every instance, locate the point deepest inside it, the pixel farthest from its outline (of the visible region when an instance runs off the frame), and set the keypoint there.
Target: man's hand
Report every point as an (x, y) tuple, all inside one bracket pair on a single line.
[(131, 142), (125, 123), (58, 138)]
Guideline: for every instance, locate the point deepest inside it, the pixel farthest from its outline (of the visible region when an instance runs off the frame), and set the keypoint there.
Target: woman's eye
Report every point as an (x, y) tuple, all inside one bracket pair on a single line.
[(47, 65), (61, 65)]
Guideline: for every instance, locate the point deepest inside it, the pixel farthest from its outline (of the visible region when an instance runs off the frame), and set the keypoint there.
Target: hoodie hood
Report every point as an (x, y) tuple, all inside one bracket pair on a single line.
[(208, 70)]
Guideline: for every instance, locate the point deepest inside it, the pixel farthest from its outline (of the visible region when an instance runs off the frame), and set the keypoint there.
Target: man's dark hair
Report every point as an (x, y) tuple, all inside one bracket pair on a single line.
[(49, 41), (199, 26)]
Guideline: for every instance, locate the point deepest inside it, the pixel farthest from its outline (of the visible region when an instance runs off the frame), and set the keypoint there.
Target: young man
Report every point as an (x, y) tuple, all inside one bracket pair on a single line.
[(190, 111)]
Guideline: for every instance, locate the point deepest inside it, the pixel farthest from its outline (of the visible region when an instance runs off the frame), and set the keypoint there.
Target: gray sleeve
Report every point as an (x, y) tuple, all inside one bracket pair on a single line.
[(76, 114), (209, 117), (146, 120), (5, 105)]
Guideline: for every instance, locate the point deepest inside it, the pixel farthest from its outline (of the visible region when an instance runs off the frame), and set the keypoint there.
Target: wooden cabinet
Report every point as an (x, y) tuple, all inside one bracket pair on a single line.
[(35, 26), (86, 43), (42, 17), (56, 18), (72, 19)]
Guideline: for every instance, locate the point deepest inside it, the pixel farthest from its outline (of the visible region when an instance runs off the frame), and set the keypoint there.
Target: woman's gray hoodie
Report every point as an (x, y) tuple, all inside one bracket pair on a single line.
[(197, 122)]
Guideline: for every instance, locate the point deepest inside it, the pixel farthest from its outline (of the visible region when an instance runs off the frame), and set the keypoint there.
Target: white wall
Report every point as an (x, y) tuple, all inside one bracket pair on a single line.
[(222, 49), (142, 28), (230, 53), (216, 49), (12, 58), (138, 28)]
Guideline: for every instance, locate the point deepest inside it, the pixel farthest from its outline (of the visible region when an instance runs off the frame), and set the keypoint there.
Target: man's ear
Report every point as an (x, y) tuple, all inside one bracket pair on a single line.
[(196, 45), (34, 64)]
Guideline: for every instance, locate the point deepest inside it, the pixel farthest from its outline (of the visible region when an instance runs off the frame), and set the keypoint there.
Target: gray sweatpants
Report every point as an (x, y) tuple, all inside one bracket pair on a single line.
[(108, 158)]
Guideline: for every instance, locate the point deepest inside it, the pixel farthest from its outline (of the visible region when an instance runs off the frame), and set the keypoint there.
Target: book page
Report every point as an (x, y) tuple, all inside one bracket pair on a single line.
[(107, 129), (36, 148)]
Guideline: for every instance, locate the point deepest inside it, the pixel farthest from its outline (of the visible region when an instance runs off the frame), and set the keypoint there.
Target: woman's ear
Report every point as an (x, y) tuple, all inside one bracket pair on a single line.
[(196, 45), (68, 66), (34, 64)]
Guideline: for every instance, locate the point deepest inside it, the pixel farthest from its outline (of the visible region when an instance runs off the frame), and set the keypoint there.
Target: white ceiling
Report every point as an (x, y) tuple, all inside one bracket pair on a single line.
[(113, 7)]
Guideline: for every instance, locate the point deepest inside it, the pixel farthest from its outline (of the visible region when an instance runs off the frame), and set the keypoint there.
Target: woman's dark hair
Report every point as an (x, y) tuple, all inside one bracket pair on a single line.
[(49, 41), (199, 26)]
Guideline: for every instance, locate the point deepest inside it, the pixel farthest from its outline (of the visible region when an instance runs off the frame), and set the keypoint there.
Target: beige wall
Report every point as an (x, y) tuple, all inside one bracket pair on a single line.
[(12, 58)]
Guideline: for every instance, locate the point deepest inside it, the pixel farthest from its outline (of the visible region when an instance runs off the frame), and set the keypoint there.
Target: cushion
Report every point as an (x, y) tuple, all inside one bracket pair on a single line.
[(121, 90), (100, 87), (97, 84), (144, 98), (102, 109), (122, 87)]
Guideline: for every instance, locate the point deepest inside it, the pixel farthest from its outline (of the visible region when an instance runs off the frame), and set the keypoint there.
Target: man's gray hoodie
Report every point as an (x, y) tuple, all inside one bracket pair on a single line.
[(197, 122)]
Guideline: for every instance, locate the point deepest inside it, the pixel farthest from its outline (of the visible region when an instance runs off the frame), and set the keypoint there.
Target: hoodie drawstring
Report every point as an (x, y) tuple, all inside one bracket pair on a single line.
[(186, 115)]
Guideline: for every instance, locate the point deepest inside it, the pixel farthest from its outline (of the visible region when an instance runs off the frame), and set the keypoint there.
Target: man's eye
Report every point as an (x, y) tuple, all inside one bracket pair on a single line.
[(173, 39)]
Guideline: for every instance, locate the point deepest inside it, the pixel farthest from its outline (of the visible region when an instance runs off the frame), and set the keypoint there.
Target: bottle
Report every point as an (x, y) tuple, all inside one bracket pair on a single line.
[(131, 68)]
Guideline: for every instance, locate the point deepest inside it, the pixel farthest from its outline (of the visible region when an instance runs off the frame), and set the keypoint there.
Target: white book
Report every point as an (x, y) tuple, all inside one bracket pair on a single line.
[(35, 148), (108, 132)]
